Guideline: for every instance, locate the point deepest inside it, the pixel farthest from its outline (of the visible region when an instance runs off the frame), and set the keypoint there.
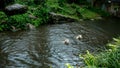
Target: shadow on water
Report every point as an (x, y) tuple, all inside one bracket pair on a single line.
[(3, 58), (44, 47), (111, 26)]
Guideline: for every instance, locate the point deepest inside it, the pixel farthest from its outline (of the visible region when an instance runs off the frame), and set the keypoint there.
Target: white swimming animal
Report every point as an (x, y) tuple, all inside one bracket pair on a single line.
[(66, 41), (79, 37)]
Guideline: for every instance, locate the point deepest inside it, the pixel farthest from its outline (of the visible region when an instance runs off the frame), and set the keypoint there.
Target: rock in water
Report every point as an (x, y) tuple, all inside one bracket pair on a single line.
[(30, 26), (15, 9)]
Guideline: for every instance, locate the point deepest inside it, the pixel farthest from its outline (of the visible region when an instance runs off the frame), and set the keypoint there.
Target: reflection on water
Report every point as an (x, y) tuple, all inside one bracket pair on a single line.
[(44, 47)]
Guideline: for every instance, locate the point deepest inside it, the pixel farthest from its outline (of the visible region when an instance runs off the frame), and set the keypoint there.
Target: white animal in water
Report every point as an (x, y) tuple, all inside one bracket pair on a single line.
[(66, 41), (79, 37)]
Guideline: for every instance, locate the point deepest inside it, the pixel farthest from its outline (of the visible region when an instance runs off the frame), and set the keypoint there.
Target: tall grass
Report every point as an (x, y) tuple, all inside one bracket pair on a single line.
[(107, 59)]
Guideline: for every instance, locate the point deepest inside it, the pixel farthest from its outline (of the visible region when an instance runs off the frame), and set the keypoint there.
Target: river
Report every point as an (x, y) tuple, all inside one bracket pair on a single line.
[(44, 47)]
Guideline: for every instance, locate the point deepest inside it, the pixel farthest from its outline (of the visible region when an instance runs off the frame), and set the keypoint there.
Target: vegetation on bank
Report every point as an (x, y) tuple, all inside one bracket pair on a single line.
[(36, 15), (79, 10), (39, 11), (108, 59)]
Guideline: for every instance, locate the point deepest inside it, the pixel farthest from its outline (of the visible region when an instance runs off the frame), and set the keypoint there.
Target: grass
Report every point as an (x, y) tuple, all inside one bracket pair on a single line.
[(97, 10), (87, 14), (107, 59), (75, 11)]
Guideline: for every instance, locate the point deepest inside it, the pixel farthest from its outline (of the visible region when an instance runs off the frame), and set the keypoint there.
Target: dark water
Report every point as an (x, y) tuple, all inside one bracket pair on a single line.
[(44, 47)]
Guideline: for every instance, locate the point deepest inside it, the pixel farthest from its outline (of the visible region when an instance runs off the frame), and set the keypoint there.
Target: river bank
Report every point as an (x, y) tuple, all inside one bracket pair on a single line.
[(39, 14)]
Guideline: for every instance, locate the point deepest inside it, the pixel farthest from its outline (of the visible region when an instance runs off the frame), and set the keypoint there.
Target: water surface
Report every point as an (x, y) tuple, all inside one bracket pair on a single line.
[(44, 47)]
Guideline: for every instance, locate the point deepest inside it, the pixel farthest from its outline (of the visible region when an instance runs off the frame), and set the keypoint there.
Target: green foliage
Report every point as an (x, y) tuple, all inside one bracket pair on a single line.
[(87, 14), (65, 9), (61, 2), (18, 21), (3, 20), (37, 22), (98, 10), (42, 13), (39, 2), (108, 59), (90, 59), (73, 10), (26, 2), (68, 65), (31, 2)]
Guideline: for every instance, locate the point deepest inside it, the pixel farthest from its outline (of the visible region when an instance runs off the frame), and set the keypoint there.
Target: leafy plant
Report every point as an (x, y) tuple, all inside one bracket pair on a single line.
[(18, 21), (109, 58), (3, 20), (43, 13), (68, 65), (26, 2)]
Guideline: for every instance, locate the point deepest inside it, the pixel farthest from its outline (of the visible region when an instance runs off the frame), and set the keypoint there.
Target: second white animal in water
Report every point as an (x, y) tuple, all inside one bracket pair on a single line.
[(66, 41), (79, 37)]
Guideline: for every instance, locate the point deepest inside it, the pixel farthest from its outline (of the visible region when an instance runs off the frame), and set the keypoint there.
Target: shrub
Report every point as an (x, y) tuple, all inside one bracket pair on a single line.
[(18, 21), (42, 13), (3, 20)]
